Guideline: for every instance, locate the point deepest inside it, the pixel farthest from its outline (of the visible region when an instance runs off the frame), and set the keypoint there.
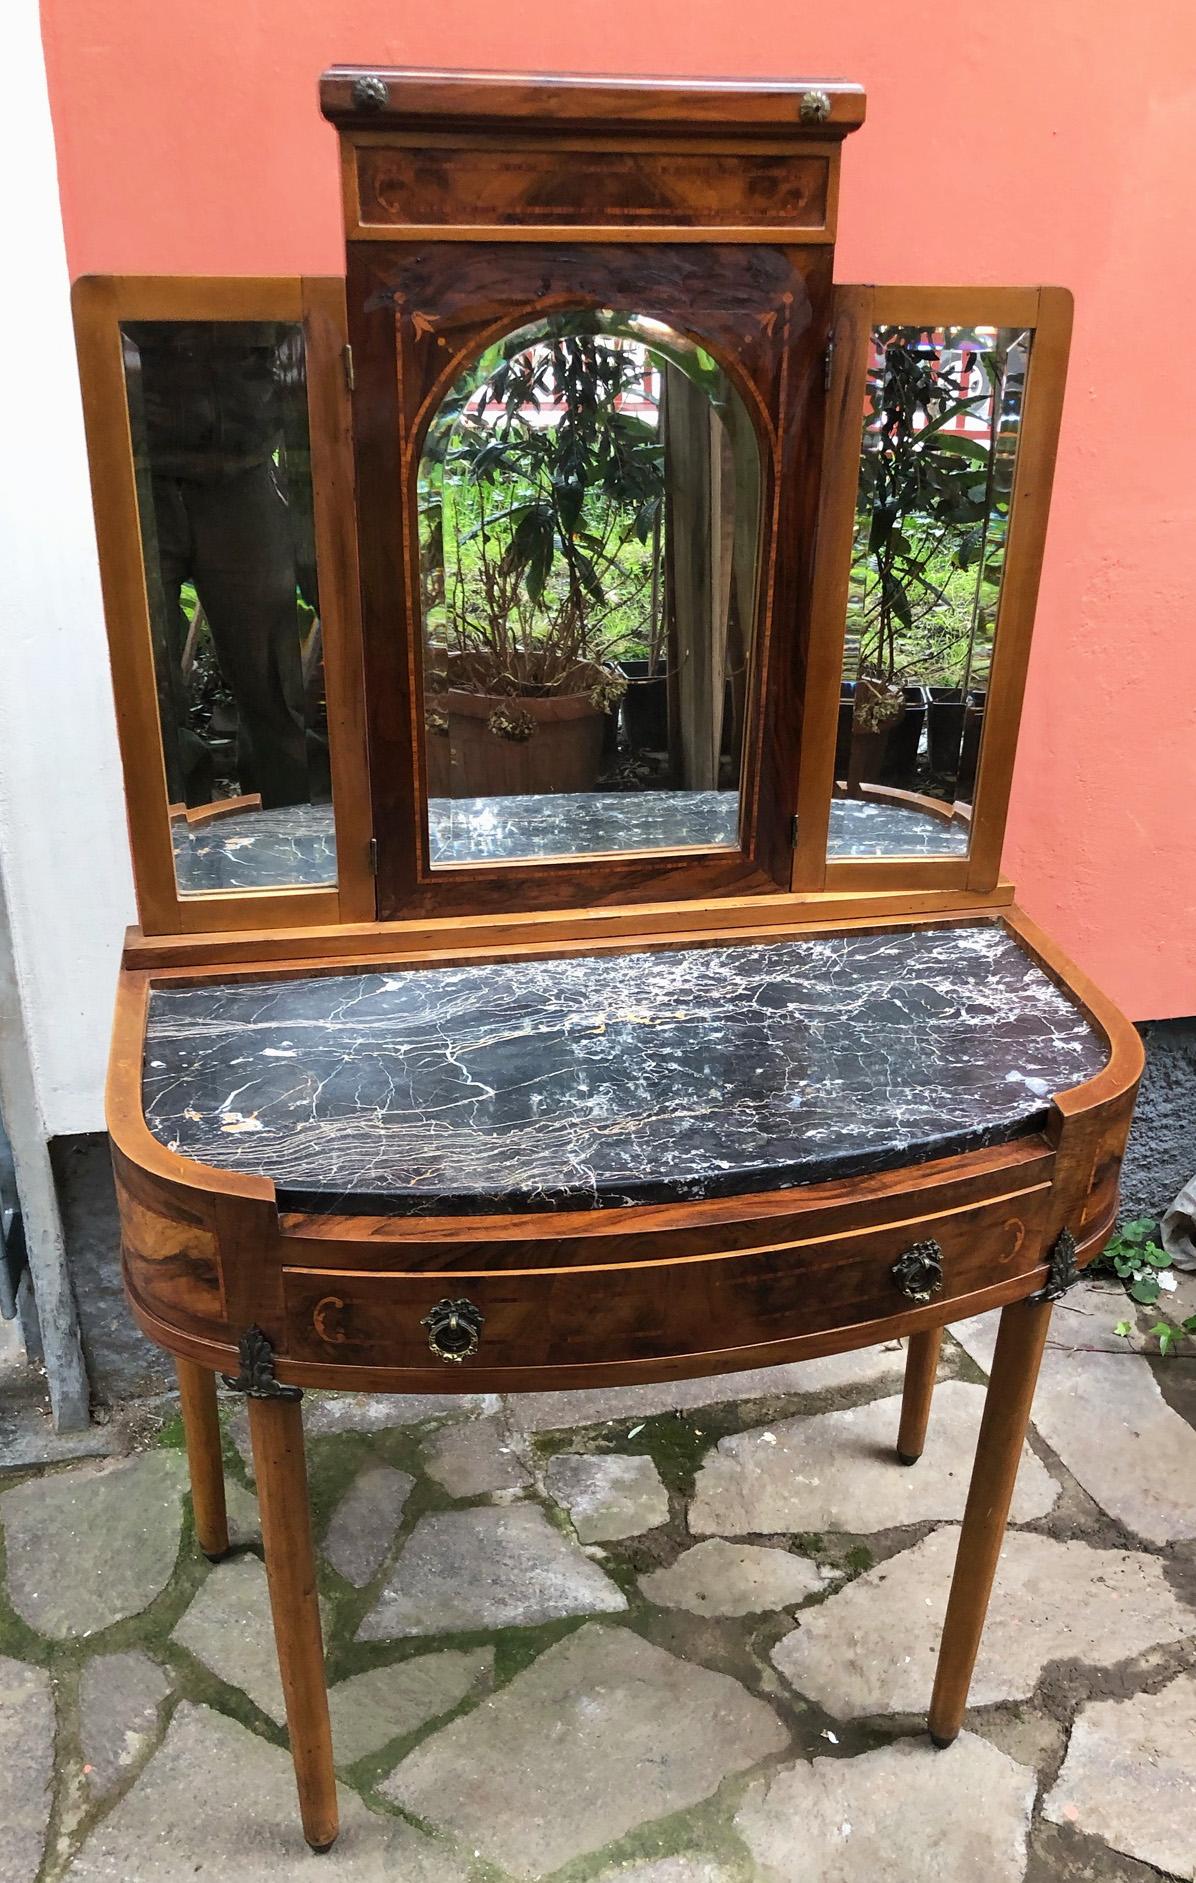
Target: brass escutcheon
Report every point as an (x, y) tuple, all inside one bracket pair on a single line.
[(454, 1329), (919, 1272)]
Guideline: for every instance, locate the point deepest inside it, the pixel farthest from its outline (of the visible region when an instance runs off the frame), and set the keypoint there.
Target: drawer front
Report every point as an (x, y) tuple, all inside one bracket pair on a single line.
[(587, 1316), (538, 188)]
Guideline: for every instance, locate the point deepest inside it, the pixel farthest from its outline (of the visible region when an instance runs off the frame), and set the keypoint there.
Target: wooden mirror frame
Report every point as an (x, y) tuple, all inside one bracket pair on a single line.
[(761, 320), (102, 304), (857, 312)]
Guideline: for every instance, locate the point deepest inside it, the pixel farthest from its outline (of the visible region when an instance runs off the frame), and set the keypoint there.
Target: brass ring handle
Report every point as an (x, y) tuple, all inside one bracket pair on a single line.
[(919, 1272), (454, 1329)]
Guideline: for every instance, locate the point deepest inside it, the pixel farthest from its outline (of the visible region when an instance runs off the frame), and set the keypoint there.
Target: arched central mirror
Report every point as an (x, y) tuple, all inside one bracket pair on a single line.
[(589, 517)]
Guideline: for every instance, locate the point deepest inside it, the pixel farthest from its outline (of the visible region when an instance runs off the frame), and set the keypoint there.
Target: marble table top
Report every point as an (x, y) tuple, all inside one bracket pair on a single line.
[(296, 845), (637, 1078)]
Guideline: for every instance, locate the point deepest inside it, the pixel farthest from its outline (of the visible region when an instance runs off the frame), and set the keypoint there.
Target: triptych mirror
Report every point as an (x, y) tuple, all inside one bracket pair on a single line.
[(592, 567)]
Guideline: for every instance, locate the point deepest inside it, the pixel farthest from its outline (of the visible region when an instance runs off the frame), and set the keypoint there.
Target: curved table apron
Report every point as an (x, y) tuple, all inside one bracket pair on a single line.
[(633, 1165)]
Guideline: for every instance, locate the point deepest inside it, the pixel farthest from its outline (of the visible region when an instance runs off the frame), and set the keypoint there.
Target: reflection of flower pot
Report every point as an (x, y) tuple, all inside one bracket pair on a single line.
[(973, 726), (646, 707), (905, 736), (843, 729), (954, 734), (945, 730), (484, 745), (877, 708), (528, 737)]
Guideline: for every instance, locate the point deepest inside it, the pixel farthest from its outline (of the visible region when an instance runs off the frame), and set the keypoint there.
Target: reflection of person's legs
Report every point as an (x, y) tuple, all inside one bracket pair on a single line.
[(245, 575), (188, 758)]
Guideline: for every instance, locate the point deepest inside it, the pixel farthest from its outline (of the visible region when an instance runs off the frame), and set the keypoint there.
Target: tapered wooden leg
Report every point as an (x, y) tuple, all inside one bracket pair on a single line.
[(276, 1427), (921, 1365), (197, 1398), (1011, 1384)]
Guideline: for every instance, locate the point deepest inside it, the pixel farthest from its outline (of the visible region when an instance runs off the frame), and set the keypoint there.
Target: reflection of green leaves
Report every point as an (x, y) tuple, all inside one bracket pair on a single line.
[(552, 473), (529, 551), (933, 500)]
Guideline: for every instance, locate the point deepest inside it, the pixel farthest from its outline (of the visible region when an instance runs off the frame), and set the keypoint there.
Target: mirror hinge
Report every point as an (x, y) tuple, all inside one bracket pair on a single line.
[(828, 363), (793, 831), (350, 376), (373, 855)]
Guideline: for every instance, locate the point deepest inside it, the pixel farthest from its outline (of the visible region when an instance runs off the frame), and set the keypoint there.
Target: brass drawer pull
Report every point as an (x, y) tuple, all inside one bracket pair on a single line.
[(919, 1272), (454, 1329)]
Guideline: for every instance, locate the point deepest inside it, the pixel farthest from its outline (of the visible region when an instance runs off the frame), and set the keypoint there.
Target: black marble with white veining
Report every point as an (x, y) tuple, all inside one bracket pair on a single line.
[(297, 845), (602, 1080), (860, 827), (292, 845)]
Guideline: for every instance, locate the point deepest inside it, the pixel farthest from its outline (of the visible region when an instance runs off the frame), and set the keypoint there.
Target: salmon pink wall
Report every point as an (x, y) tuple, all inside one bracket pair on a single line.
[(1042, 143)]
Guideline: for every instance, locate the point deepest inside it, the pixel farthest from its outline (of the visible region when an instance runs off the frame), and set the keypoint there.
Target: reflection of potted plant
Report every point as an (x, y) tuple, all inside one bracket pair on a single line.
[(540, 502), (923, 498)]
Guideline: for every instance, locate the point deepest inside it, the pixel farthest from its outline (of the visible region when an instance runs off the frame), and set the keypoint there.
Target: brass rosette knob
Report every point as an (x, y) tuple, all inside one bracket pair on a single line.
[(370, 92), (454, 1329), (919, 1272)]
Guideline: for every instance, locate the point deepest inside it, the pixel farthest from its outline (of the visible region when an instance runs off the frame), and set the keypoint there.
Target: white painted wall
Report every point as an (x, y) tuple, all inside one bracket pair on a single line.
[(63, 845)]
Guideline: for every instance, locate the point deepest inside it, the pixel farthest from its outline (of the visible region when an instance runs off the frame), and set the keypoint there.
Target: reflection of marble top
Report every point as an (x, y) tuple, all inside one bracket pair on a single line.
[(297, 845), (294, 845), (613, 1079)]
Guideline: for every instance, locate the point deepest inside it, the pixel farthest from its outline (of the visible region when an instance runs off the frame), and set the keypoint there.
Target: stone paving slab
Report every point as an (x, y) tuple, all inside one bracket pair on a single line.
[(602, 1733), (326, 1414), (839, 1471), (120, 1699), (369, 1710), (718, 1578), (558, 1412), (489, 1567), (217, 1802), (473, 1459), (28, 1438), (902, 1814), (244, 1517), (1140, 1466), (684, 1868), (26, 1768), (871, 1648), (366, 1522), (94, 1544), (1130, 1776), (228, 1629), (608, 1496)]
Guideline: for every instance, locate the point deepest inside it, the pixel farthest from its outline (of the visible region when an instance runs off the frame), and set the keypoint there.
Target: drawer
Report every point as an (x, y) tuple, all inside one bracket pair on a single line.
[(536, 187), (648, 1310)]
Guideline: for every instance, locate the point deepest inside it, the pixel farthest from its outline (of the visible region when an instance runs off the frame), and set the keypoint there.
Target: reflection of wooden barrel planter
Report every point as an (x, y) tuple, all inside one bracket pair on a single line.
[(889, 752), (484, 745)]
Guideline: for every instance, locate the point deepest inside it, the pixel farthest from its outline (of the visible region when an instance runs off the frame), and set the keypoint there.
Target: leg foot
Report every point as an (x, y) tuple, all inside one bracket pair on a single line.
[(276, 1427), (197, 1399), (943, 1740), (921, 1365), (998, 1453)]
